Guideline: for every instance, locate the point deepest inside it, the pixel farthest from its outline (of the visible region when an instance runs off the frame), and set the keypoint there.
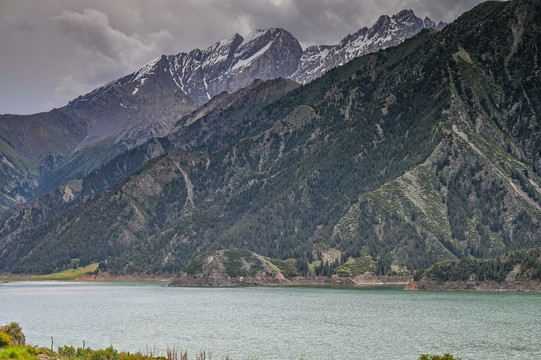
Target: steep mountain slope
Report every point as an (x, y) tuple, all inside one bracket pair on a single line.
[(224, 119), (415, 154), (125, 113), (45, 150)]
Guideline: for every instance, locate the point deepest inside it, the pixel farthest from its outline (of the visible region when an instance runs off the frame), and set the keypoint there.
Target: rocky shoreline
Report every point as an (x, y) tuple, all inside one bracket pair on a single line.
[(366, 279)]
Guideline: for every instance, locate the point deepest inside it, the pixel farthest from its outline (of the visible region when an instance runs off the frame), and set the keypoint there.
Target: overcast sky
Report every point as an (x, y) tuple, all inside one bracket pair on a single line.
[(52, 51)]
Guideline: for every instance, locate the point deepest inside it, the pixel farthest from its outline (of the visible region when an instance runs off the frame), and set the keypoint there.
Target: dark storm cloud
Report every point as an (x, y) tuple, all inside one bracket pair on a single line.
[(52, 51)]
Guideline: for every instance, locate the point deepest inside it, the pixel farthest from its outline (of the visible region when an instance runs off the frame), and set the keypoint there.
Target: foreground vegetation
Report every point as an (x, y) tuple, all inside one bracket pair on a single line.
[(12, 346)]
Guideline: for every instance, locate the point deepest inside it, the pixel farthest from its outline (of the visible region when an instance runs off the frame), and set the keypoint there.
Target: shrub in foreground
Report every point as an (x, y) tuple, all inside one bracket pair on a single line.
[(5, 339)]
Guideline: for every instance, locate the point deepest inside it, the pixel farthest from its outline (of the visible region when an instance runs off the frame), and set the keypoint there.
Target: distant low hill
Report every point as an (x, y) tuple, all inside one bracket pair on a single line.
[(515, 271)]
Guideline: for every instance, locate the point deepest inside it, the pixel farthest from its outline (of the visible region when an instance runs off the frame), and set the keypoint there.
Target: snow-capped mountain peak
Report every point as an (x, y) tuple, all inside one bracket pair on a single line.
[(386, 32), (186, 80)]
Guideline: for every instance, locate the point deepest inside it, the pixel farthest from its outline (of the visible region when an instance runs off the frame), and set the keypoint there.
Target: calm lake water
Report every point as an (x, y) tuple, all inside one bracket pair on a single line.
[(277, 322)]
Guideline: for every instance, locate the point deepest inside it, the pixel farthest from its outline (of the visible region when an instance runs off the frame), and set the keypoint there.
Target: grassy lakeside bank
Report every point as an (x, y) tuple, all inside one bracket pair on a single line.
[(86, 273), (69, 274), (27, 352)]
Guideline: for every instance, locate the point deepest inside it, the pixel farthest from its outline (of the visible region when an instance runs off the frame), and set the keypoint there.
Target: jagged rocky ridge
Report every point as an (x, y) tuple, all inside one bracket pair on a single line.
[(235, 62), (386, 32)]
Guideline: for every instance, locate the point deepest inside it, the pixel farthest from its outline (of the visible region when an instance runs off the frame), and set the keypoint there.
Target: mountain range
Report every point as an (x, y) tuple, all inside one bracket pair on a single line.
[(422, 152), (124, 113)]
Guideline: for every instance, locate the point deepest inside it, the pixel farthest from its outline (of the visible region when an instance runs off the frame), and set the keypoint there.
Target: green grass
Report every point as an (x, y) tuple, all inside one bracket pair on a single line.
[(70, 274), (20, 353)]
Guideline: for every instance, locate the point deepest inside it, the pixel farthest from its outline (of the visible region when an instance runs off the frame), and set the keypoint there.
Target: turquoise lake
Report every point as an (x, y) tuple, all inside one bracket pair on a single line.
[(276, 322)]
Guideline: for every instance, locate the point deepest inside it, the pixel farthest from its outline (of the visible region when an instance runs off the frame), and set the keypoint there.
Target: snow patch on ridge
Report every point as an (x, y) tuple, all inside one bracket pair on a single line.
[(244, 62), (146, 70)]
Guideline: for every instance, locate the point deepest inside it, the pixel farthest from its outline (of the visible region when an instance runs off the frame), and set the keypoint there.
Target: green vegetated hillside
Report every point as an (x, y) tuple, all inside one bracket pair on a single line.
[(404, 158), (223, 120), (229, 268), (40, 152), (210, 129)]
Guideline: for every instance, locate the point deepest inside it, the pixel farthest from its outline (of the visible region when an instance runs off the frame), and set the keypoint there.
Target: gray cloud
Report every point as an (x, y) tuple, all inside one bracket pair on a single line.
[(52, 51), (91, 29)]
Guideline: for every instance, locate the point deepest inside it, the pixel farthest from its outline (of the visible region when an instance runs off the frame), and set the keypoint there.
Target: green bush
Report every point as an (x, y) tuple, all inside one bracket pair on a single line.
[(14, 330), (5, 339), (20, 353)]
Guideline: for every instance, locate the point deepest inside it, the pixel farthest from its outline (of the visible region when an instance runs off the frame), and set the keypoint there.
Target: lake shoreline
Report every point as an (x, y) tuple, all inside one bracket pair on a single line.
[(6, 278), (334, 281)]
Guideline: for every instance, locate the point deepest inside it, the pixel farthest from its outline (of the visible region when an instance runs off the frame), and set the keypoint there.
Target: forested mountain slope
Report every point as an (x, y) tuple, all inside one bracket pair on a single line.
[(419, 153), (221, 121)]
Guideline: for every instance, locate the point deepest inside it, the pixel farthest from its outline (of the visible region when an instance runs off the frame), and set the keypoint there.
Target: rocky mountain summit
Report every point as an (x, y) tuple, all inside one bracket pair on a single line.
[(146, 103), (388, 31), (228, 65), (237, 61)]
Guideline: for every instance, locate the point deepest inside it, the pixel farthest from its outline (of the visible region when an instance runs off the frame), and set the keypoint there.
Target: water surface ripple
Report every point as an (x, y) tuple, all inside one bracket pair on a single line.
[(277, 322)]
